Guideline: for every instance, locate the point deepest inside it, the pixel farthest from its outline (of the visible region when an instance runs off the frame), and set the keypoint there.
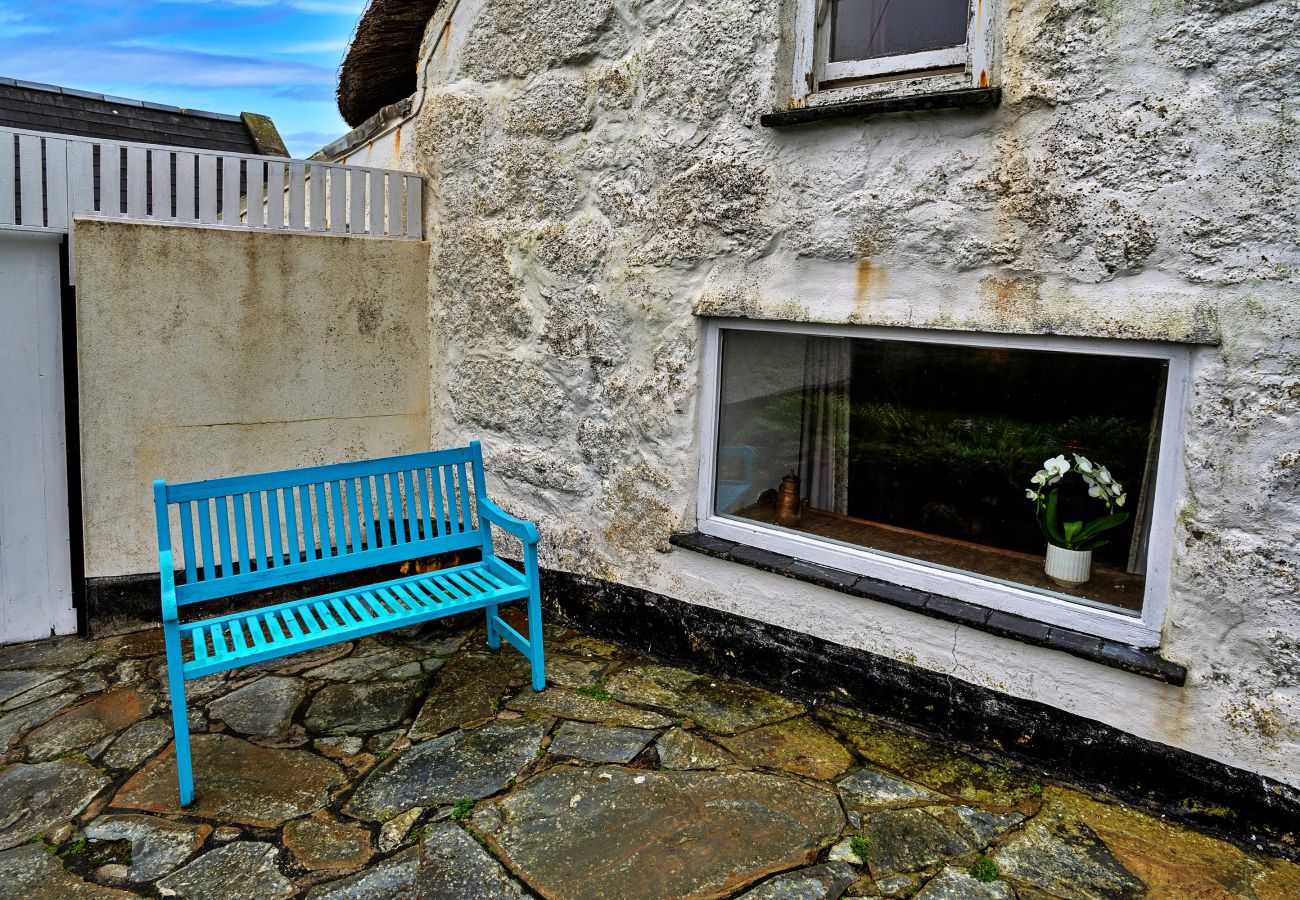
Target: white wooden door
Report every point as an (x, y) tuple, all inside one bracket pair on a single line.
[(35, 581)]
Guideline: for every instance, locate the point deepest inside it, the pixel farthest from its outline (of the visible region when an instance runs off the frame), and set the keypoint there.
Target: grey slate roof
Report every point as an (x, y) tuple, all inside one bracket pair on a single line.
[(45, 107)]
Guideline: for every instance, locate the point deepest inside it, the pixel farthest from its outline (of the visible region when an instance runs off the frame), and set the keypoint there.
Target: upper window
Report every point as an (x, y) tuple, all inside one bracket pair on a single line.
[(955, 463), (850, 43)]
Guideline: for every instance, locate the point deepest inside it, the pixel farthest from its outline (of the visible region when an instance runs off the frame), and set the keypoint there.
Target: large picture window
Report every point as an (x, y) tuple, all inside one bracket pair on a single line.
[(924, 451)]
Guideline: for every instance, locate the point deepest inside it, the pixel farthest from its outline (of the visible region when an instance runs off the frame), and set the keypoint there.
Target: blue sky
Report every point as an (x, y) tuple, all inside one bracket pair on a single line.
[(277, 57)]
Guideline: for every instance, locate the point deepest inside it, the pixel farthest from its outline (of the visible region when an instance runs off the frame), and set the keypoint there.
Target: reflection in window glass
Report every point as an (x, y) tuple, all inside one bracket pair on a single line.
[(925, 450), (870, 29)]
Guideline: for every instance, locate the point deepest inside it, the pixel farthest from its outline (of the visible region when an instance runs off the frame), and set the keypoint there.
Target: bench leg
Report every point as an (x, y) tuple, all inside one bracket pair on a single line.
[(494, 639), (536, 655), (180, 721)]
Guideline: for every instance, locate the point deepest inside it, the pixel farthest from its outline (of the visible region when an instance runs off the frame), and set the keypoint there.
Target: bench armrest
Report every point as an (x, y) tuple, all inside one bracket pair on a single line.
[(168, 576), (525, 531)]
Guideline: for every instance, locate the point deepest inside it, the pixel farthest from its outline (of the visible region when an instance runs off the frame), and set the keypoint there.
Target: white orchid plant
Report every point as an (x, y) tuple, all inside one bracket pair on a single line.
[(1080, 535)]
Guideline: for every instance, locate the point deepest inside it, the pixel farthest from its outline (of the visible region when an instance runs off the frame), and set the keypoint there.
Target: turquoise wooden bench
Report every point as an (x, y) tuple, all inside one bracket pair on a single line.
[(251, 532)]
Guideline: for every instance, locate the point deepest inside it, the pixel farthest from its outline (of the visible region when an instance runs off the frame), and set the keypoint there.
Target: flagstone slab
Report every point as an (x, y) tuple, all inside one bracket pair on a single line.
[(933, 765), (20, 720), (264, 707), (871, 788), (392, 879), (723, 707), (147, 642), (158, 845), (799, 746), (49, 688), (619, 834), (906, 840), (467, 689), (33, 874), (825, 882), (238, 869), (236, 781), (953, 884), (361, 668), (463, 765), (680, 749), (356, 708), (88, 723), (36, 797), (574, 672), (320, 841), (19, 681), (454, 867), (139, 742), (600, 743), (567, 704), (57, 653)]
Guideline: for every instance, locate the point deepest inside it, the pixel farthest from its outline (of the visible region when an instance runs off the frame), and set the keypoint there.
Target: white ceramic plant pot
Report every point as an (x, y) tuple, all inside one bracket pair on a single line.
[(1068, 567)]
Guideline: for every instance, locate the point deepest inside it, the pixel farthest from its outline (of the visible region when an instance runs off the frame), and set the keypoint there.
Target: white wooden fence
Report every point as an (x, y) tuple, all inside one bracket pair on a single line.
[(47, 179)]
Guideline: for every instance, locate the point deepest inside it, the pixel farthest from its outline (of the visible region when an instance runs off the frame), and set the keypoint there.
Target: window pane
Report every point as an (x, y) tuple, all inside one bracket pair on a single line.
[(926, 450), (868, 29)]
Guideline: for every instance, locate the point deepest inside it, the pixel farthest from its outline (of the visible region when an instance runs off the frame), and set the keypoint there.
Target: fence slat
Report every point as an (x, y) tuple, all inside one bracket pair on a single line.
[(254, 199), (395, 185), (207, 189), (185, 187), (297, 195), (376, 202), (81, 177), (137, 182), (110, 179), (31, 193), (316, 211), (414, 213), (230, 190), (160, 182), (274, 194), (8, 212), (356, 202), (56, 182), (338, 200)]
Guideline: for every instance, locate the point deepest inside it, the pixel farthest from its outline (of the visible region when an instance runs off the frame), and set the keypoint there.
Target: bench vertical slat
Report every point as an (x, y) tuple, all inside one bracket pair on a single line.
[(200, 644), (240, 505), (353, 490), (376, 603), (421, 601), (291, 622), (358, 608), (423, 498), (259, 529), (409, 599), (237, 640), (340, 521), (453, 510), (328, 622), (480, 583), (254, 625), (223, 537), (467, 498), (436, 591), (205, 535), (435, 495), (412, 507), (398, 605), (492, 579), (471, 590), (291, 527), (187, 539), (323, 522), (308, 529), (273, 516), (367, 512), (313, 627), (453, 590), (385, 512)]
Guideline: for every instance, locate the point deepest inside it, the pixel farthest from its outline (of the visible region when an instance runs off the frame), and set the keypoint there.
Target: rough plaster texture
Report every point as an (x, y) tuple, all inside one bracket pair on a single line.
[(205, 352), (599, 181)]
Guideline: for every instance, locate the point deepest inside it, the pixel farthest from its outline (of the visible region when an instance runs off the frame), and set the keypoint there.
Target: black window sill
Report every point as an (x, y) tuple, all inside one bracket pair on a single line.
[(860, 108), (1137, 660)]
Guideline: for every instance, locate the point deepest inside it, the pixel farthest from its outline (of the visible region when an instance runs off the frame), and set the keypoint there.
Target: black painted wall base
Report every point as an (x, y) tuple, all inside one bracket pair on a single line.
[(1057, 745)]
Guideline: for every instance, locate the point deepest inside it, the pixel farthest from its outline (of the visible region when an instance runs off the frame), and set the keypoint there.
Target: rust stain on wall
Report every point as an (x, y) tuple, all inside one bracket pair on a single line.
[(870, 278)]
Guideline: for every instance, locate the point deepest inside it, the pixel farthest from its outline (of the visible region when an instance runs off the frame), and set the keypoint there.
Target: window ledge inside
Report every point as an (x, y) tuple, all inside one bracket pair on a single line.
[(909, 103), (1117, 655)]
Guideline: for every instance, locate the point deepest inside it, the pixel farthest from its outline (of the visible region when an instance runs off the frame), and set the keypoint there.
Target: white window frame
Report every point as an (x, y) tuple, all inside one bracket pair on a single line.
[(1052, 609), (813, 70)]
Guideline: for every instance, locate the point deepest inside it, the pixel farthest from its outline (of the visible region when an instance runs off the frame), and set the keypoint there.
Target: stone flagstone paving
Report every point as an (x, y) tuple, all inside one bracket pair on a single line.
[(420, 764)]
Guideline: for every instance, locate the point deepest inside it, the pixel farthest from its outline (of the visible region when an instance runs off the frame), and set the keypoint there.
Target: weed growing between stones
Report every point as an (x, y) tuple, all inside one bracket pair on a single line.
[(596, 691), (860, 844), (460, 812), (984, 869)]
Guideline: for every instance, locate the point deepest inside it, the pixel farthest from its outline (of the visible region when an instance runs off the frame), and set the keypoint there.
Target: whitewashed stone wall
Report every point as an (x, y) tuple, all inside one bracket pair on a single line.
[(600, 181)]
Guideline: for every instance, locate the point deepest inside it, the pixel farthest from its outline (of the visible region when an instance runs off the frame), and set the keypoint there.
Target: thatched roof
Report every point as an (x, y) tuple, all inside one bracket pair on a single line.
[(380, 67)]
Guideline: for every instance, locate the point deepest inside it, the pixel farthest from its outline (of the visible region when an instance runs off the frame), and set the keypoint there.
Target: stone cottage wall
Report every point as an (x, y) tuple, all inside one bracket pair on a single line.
[(600, 181)]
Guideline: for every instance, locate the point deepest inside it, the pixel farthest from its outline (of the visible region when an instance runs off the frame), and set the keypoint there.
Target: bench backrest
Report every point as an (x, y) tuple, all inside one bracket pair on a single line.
[(249, 532)]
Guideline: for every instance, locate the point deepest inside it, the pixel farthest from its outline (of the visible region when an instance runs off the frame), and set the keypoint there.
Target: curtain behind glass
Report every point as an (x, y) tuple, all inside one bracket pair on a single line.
[(824, 456)]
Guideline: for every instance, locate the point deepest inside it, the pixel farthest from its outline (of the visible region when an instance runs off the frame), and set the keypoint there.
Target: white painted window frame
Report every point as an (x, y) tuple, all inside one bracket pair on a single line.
[(813, 70), (1046, 607)]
